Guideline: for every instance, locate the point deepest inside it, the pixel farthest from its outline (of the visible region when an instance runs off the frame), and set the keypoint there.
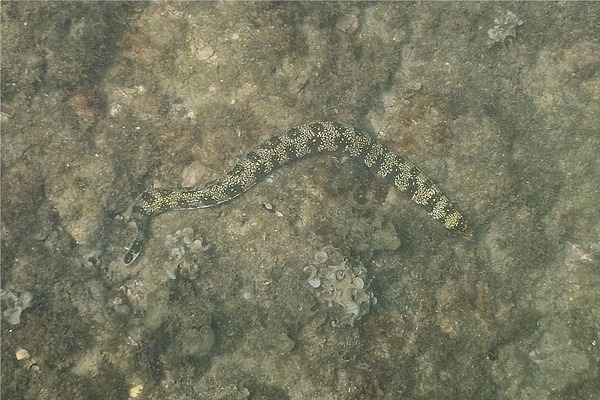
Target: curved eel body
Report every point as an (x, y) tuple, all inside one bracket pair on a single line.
[(295, 144)]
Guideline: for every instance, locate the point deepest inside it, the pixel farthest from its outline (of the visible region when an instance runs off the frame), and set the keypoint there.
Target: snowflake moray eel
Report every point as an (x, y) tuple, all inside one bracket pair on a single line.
[(295, 144)]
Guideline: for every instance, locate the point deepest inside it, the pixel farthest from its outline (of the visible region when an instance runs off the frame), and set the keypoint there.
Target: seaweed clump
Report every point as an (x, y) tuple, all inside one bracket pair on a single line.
[(344, 285), (185, 250), (15, 301)]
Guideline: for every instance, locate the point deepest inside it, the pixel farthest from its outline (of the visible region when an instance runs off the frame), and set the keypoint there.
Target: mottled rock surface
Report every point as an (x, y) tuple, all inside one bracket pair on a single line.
[(101, 100)]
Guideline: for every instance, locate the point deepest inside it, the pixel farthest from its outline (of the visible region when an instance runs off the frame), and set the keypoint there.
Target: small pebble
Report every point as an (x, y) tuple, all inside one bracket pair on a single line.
[(22, 354)]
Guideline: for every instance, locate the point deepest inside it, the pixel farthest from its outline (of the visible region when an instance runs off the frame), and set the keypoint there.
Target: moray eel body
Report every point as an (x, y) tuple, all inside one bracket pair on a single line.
[(295, 144)]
